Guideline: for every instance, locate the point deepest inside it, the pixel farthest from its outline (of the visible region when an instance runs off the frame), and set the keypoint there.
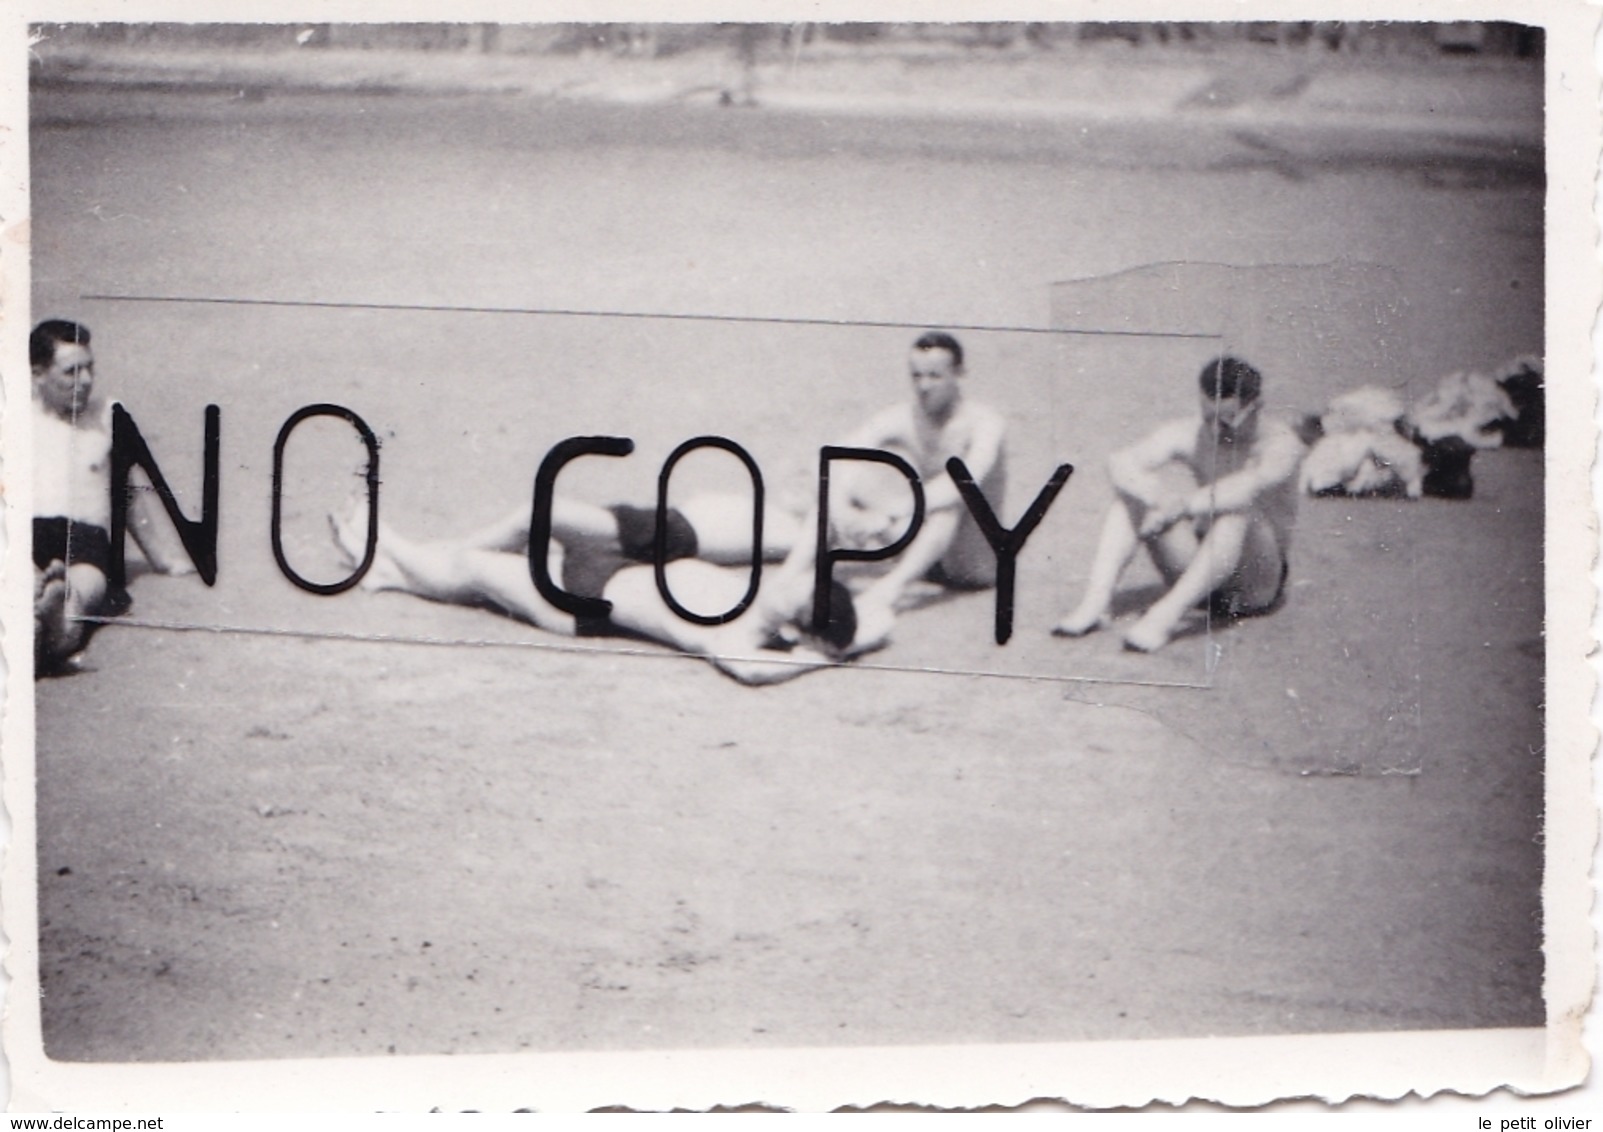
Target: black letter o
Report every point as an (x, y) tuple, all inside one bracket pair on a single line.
[(660, 555), (371, 443)]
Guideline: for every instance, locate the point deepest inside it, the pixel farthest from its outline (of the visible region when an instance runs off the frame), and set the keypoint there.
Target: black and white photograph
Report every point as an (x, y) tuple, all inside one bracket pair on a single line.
[(808, 563)]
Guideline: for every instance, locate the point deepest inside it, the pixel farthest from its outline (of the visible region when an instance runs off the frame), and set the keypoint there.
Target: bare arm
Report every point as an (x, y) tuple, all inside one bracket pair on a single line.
[(1134, 469), (856, 519), (509, 533), (735, 649), (141, 526), (1274, 462), (983, 455), (888, 426)]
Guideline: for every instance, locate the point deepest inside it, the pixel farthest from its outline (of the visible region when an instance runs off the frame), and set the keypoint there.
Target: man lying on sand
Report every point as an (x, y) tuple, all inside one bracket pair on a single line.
[(607, 553), (1217, 527)]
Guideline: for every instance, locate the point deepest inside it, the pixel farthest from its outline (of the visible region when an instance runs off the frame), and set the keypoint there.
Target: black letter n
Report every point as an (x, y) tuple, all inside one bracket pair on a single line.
[(128, 448)]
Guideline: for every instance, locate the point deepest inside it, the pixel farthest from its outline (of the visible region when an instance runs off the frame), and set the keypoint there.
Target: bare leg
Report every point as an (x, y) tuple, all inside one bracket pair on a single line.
[(575, 521), (510, 532), (1172, 551), (466, 576), (738, 649), (723, 528), (350, 532), (1236, 552), (876, 606), (454, 573), (928, 547), (1116, 546), (504, 581), (86, 593), (722, 523), (50, 628), (570, 520), (63, 596)]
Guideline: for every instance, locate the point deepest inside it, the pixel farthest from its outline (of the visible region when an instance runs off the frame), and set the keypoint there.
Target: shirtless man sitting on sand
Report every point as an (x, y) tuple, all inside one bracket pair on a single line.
[(937, 423), (72, 499), (608, 553), (1220, 535)]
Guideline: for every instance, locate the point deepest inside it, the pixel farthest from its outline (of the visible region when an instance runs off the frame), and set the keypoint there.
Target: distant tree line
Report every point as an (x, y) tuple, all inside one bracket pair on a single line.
[(752, 41)]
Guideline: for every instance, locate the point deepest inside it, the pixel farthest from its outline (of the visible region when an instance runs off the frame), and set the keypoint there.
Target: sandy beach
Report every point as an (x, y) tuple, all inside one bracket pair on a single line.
[(264, 832)]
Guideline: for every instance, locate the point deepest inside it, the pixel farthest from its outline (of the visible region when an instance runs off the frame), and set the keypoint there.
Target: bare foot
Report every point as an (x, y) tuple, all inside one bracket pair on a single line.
[(55, 572), (55, 636), (1081, 622), (350, 534), (1146, 637), (874, 623), (50, 599)]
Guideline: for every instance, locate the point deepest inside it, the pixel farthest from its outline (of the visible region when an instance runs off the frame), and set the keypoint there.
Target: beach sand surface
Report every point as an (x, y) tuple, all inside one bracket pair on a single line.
[(302, 841)]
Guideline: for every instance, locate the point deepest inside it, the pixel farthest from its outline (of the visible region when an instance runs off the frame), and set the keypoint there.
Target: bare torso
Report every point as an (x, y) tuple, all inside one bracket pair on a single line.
[(72, 465)]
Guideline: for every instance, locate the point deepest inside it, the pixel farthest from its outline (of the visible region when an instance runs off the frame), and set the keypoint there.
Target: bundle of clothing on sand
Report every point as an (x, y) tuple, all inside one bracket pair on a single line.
[(1367, 442)]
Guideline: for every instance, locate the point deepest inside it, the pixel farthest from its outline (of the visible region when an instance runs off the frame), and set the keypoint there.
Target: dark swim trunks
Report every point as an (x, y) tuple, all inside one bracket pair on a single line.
[(57, 539), (1226, 603), (70, 541), (587, 568)]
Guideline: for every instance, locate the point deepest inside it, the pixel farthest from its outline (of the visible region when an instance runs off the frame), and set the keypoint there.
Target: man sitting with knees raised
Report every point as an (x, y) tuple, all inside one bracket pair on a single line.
[(1218, 531)]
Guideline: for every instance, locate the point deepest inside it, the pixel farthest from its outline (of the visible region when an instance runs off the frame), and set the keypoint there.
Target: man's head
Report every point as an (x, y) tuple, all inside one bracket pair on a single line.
[(1230, 392), (936, 366), (63, 367)]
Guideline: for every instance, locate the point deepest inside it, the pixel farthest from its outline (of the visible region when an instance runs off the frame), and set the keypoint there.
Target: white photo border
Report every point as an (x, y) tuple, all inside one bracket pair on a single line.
[(1233, 1071)]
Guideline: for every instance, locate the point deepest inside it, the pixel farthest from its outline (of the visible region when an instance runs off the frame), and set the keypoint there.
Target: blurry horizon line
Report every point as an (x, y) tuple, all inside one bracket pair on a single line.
[(445, 308)]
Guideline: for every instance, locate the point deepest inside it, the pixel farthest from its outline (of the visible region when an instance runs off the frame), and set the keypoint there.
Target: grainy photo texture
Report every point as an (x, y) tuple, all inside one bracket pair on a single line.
[(766, 541)]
